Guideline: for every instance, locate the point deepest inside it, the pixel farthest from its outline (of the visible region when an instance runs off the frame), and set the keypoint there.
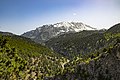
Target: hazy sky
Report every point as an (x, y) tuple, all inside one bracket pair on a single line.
[(19, 16)]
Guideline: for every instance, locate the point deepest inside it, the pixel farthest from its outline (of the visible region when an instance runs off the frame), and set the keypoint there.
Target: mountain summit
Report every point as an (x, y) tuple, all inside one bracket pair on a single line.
[(73, 26), (46, 32)]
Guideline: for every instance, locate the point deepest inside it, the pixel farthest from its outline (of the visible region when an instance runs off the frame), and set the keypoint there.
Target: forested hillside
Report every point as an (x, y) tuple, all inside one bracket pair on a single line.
[(20, 58), (100, 66), (87, 55)]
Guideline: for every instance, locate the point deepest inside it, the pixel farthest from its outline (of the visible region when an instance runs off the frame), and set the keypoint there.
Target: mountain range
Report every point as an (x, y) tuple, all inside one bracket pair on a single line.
[(46, 32), (71, 51)]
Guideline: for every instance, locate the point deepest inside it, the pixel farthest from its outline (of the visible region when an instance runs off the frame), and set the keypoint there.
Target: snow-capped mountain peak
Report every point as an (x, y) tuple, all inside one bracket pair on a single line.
[(65, 24), (47, 32), (76, 26)]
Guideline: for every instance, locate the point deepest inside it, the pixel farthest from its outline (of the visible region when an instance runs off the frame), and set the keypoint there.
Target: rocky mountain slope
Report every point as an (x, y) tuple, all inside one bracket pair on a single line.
[(47, 32)]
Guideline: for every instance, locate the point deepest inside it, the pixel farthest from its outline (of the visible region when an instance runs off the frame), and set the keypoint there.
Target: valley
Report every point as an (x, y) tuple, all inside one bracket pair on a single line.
[(62, 51)]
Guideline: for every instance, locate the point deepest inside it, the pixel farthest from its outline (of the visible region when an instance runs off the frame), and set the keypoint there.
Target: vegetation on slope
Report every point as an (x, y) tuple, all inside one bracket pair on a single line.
[(114, 29), (20, 58), (17, 63), (100, 66), (79, 43), (84, 42)]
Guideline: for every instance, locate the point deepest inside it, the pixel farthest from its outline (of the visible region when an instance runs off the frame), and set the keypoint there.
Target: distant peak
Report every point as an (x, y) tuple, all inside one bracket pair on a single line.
[(47, 32)]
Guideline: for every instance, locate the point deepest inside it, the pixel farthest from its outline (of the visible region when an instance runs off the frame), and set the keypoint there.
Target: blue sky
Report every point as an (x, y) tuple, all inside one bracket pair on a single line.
[(19, 16)]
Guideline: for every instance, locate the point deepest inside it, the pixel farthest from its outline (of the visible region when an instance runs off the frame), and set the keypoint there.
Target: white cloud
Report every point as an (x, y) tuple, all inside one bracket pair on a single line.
[(74, 14)]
